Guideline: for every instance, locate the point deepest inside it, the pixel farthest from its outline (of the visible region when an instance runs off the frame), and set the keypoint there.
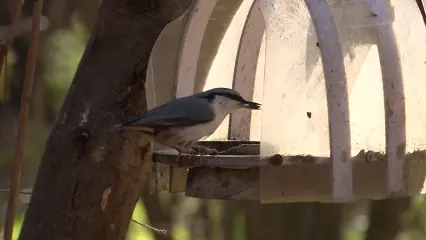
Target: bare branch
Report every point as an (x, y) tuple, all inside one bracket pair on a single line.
[(157, 230), (23, 119)]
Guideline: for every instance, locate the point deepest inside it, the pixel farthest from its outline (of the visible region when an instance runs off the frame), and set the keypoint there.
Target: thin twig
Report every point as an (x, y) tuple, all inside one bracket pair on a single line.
[(422, 10), (23, 119), (4, 97), (162, 231), (4, 47), (232, 148), (20, 192), (221, 152)]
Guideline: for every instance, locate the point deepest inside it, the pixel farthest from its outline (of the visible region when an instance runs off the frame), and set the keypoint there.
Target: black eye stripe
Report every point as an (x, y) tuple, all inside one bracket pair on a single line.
[(232, 96), (211, 96)]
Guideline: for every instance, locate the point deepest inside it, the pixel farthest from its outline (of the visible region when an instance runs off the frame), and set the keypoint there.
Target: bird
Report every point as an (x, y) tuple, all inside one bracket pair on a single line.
[(182, 122)]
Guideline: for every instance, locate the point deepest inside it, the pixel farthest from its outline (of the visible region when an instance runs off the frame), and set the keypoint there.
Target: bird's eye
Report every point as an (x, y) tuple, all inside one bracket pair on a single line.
[(210, 97)]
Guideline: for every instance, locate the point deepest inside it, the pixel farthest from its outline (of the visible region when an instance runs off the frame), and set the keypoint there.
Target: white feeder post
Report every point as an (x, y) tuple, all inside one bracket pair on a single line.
[(187, 68), (245, 70), (325, 125), (337, 98), (394, 99)]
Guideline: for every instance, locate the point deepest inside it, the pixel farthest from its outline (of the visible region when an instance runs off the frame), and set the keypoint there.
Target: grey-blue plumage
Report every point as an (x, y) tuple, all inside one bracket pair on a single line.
[(183, 121), (173, 114)]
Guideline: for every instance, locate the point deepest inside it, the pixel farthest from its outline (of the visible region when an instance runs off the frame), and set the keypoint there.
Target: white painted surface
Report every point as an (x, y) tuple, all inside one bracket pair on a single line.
[(191, 45), (294, 78), (247, 81), (222, 70), (288, 81)]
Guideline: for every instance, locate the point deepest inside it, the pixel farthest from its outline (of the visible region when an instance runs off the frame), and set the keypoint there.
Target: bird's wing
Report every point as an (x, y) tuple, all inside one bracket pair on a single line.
[(180, 112)]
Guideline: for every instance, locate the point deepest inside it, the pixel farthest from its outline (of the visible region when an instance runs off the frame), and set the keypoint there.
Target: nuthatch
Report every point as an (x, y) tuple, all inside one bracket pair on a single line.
[(183, 121)]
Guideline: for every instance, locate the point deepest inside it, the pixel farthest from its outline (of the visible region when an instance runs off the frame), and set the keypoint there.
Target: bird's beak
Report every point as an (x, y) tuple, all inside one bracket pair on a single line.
[(252, 105)]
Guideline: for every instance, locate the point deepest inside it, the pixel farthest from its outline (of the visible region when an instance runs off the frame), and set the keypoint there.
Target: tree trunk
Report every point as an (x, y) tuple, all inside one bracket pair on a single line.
[(327, 221), (90, 179), (276, 221), (295, 221), (231, 209), (385, 218)]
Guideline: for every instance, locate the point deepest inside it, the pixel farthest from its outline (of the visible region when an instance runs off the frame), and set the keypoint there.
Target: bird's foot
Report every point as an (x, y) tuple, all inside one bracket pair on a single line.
[(183, 150), (178, 157), (211, 151), (190, 151), (205, 150)]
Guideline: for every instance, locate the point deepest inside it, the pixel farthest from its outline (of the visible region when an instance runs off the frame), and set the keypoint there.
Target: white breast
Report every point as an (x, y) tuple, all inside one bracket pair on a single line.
[(197, 132), (222, 107), (179, 135)]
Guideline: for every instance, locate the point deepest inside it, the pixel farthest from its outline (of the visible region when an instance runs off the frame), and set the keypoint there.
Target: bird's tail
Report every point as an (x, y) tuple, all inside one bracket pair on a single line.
[(142, 129)]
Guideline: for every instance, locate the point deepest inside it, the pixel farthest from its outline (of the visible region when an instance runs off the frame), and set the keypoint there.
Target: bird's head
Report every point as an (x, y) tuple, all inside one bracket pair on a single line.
[(227, 99)]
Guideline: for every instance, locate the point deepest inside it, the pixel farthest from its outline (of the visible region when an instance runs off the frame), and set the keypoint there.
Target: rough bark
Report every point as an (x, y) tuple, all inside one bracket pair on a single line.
[(90, 179), (385, 218)]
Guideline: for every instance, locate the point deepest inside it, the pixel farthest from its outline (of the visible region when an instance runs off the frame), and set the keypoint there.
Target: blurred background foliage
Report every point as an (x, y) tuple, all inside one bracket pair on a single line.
[(62, 45)]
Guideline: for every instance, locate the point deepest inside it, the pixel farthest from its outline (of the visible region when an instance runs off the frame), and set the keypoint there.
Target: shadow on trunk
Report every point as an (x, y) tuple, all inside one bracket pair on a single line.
[(91, 178)]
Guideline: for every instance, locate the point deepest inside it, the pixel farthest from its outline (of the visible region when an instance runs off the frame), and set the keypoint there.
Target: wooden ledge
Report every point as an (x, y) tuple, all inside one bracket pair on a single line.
[(242, 174), (302, 182), (232, 154), (246, 154)]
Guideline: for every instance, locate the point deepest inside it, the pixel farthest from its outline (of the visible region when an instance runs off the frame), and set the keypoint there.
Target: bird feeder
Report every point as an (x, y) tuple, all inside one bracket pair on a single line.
[(343, 114)]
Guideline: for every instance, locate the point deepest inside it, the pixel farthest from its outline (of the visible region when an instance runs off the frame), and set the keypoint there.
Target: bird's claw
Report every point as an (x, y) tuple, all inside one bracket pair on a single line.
[(211, 151), (191, 151), (205, 150)]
